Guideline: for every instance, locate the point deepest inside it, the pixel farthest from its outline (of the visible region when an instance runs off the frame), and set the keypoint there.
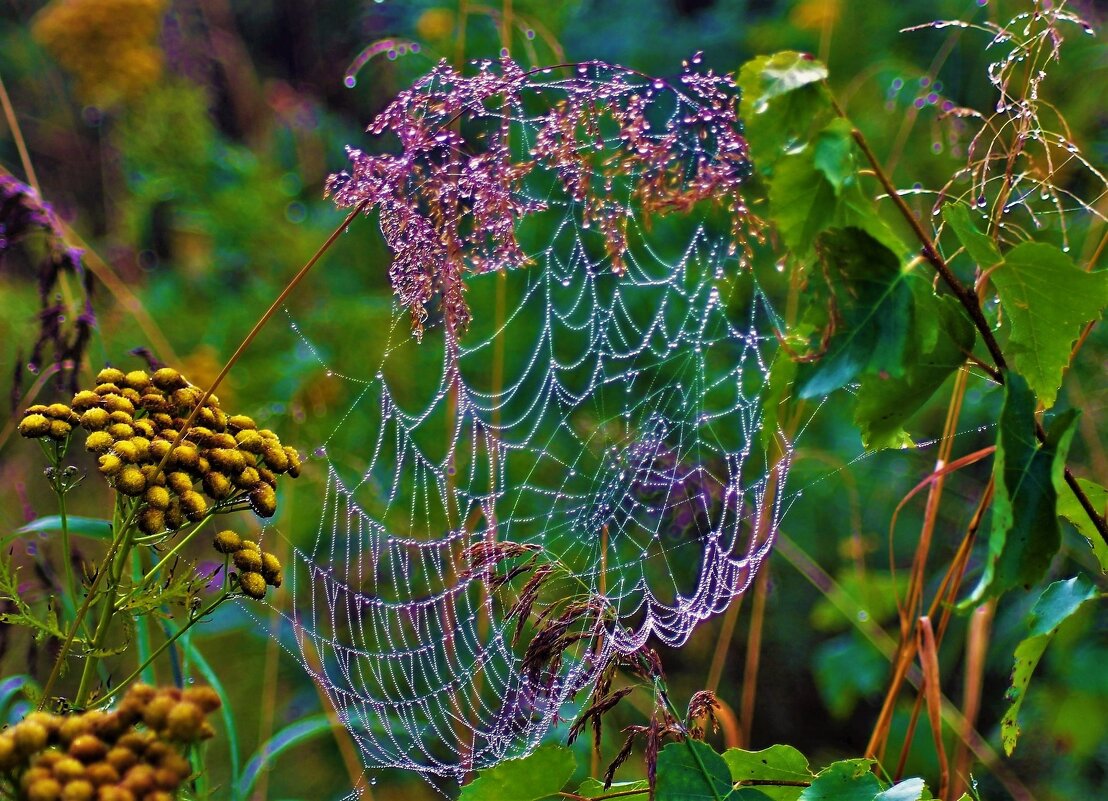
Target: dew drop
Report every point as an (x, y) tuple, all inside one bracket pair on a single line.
[(350, 81)]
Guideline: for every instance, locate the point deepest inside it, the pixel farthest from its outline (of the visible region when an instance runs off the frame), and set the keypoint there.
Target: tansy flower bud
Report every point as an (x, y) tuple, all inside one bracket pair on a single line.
[(120, 417), (142, 447), (266, 475), (68, 768), (271, 567), (185, 456), (144, 427), (121, 431), (153, 476), (167, 379), (204, 697), (151, 521), (276, 458), (131, 395), (109, 464), (84, 400), (130, 481), (29, 736), (87, 748), (253, 546), (185, 397), (239, 422), (227, 541), (59, 429), (153, 403), (193, 505), (78, 790), (157, 498), (59, 411), (121, 758), (99, 441), (137, 380), (248, 560), (208, 418), (94, 419), (118, 403), (139, 779), (34, 426), (157, 710), (174, 517), (217, 485), (183, 721), (247, 479), (107, 389), (179, 482), (222, 440), (227, 460), (102, 773), (250, 440), (110, 375), (252, 585), (44, 790), (9, 757), (264, 500), (126, 451)]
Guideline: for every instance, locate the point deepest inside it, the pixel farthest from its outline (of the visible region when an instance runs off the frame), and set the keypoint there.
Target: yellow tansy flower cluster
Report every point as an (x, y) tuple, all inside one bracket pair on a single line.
[(109, 46), (221, 463), (134, 753)]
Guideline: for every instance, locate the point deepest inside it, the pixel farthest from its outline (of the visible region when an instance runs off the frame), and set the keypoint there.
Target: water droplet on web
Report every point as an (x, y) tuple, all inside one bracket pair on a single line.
[(350, 81)]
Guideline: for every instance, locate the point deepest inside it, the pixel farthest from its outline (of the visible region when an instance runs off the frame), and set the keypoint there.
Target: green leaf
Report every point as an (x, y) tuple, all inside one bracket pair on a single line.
[(783, 99), (979, 247), (848, 780), (84, 526), (873, 306), (1071, 509), (776, 763), (886, 403), (834, 154), (802, 202), (1058, 603), (1047, 300), (543, 772), (907, 790), (1024, 534), (591, 788), (691, 771)]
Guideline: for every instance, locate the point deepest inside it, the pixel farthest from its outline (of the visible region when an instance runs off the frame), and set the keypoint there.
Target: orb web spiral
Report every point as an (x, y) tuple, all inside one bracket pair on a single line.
[(553, 450)]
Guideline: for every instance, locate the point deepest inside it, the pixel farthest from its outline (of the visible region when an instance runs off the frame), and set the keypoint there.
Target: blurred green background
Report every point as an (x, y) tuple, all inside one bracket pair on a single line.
[(187, 142)]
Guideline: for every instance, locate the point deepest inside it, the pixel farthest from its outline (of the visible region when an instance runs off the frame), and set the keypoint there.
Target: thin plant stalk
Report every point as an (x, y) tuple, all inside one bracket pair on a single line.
[(977, 641), (277, 303)]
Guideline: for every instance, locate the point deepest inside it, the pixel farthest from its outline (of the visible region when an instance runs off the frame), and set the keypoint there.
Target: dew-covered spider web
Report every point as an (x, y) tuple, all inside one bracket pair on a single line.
[(552, 449)]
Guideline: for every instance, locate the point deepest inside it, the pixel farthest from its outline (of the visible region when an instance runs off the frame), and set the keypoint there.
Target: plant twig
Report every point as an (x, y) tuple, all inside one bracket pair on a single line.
[(966, 296)]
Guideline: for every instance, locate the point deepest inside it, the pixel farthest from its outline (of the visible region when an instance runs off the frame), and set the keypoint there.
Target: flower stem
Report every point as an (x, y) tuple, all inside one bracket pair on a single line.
[(107, 697)]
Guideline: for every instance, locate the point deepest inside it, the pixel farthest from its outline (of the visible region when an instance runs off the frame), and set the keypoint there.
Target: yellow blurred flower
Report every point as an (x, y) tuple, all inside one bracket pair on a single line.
[(435, 24), (815, 15), (109, 46)]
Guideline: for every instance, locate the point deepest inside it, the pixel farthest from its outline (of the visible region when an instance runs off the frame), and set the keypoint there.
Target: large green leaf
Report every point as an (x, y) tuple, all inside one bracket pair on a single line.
[(544, 772), (776, 763), (1071, 509), (783, 99), (1046, 300), (691, 771), (1024, 535), (873, 310), (1058, 602), (979, 246), (886, 402), (849, 780)]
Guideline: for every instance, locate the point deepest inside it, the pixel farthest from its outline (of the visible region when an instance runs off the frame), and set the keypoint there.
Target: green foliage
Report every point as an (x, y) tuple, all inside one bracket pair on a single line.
[(1071, 509), (691, 771), (848, 780), (1024, 535), (542, 773), (1060, 601), (886, 402), (873, 312), (780, 763), (1047, 299), (783, 97), (94, 527)]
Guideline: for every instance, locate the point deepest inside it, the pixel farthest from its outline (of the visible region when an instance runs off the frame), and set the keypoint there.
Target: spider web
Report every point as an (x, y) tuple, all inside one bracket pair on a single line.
[(582, 471)]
